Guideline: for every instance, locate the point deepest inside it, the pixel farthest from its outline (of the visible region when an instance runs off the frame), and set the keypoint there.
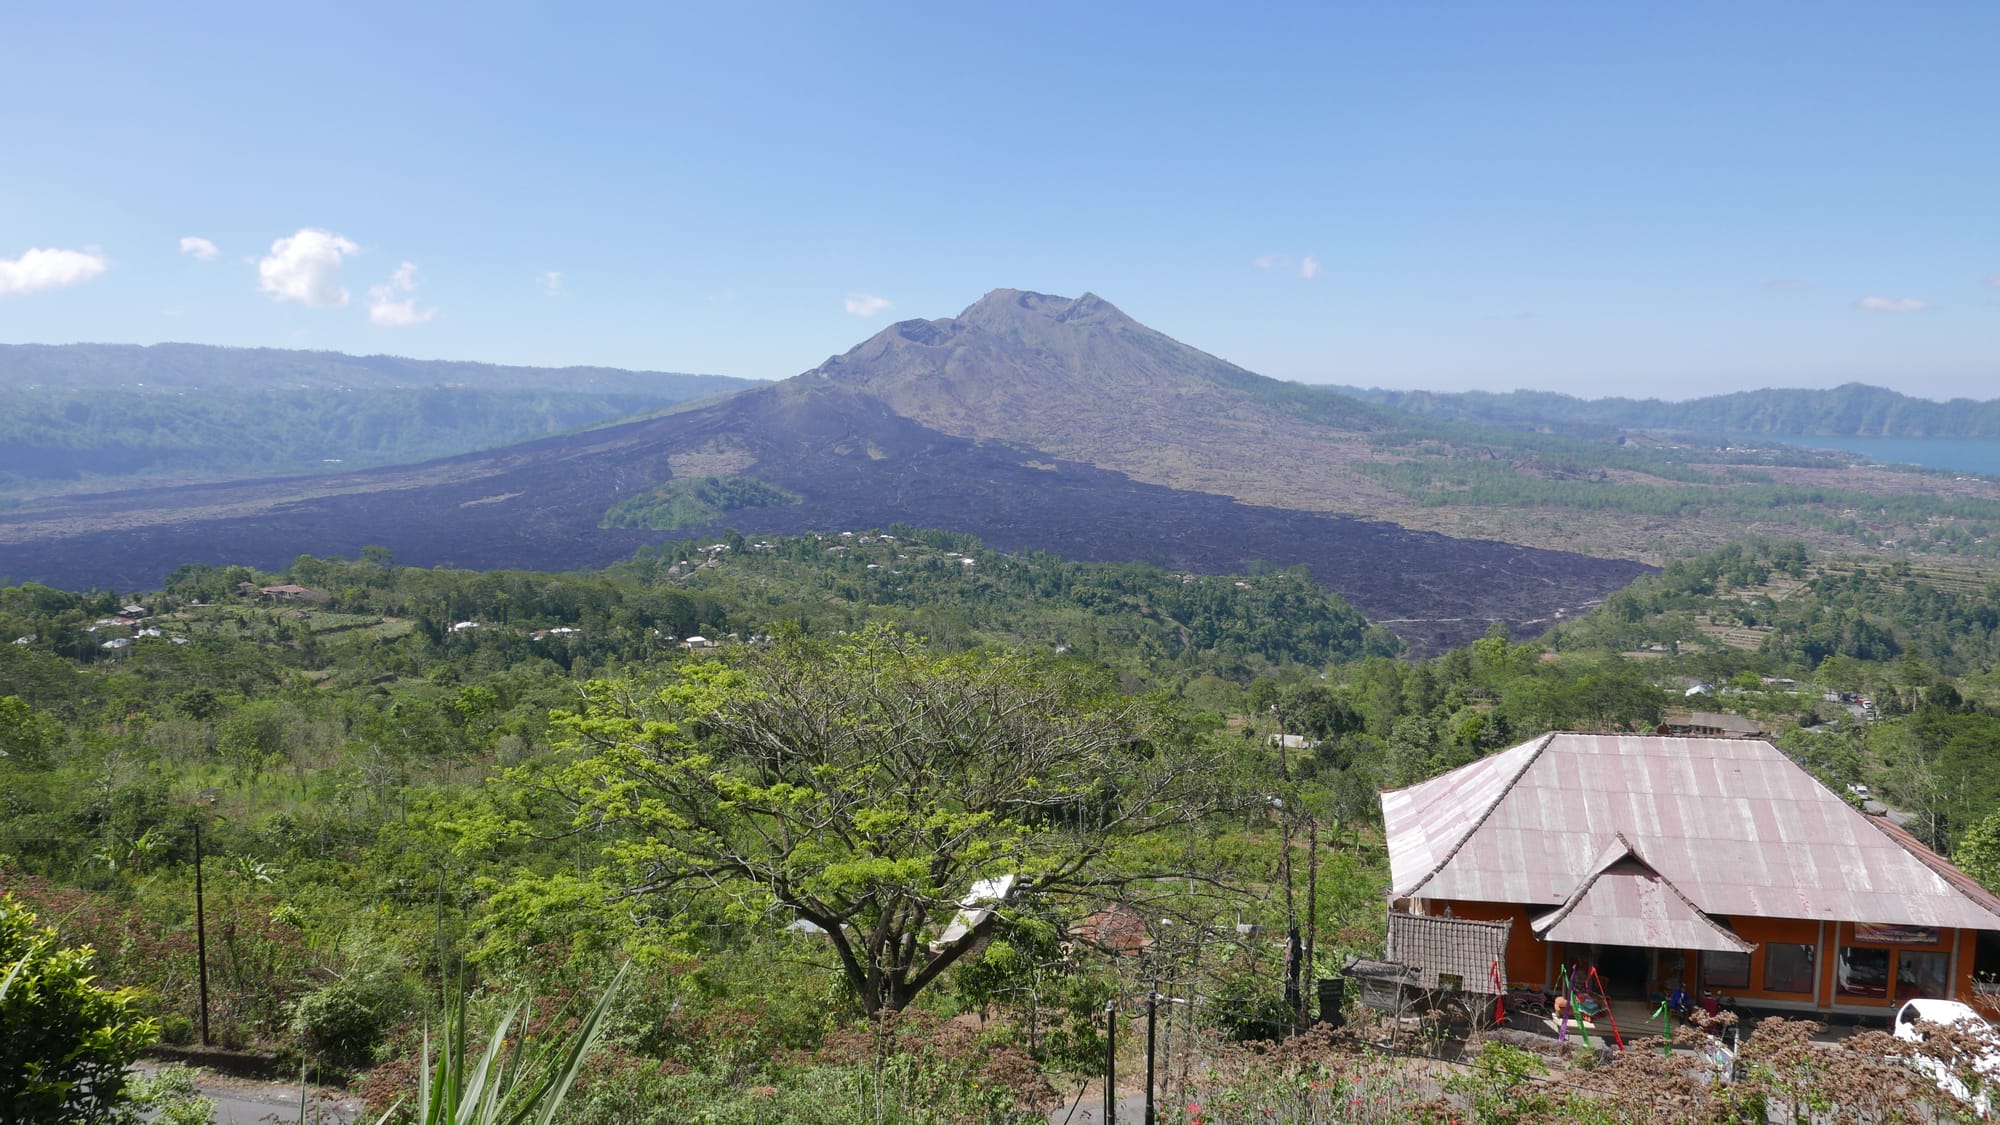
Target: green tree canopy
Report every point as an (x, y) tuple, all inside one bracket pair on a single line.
[(1978, 851), (867, 785)]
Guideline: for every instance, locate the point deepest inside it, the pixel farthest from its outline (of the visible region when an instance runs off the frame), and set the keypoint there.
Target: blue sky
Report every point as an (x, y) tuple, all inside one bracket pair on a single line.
[(1666, 199)]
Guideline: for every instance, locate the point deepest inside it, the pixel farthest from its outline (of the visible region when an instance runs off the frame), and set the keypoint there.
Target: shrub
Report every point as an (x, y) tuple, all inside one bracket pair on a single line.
[(172, 1097), (176, 1029), (1251, 1010), (341, 1024), (64, 1045)]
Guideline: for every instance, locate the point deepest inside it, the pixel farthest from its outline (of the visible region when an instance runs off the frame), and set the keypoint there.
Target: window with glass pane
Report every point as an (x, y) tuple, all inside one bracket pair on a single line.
[(1725, 970), (1922, 975), (1788, 968), (1862, 972)]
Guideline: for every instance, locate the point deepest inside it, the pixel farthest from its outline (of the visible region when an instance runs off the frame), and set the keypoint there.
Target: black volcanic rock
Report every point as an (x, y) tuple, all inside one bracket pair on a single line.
[(852, 437)]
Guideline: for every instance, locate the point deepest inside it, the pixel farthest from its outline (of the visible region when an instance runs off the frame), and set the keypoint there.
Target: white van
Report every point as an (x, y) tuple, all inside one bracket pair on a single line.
[(1954, 1014)]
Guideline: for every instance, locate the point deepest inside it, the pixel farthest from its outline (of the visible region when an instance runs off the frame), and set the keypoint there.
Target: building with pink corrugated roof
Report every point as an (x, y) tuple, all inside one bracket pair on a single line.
[(1711, 864)]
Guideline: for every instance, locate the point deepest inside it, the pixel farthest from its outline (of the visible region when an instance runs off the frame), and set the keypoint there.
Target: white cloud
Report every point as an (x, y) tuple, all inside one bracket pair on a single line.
[(1309, 266), (386, 309), (552, 283), (202, 249), (305, 267), (1892, 304), (867, 304), (38, 269)]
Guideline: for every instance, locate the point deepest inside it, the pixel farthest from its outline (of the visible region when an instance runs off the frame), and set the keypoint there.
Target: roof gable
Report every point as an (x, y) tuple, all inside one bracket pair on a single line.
[(1735, 825), (1624, 901)]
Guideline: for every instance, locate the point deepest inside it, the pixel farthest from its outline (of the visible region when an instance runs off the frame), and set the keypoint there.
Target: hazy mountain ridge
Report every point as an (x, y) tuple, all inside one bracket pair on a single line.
[(100, 412), (1047, 423), (1850, 410), (188, 367), (865, 440)]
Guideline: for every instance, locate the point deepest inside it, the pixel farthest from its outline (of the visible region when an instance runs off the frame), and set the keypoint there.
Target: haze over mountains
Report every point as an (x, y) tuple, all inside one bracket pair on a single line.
[(987, 423), (188, 367), (1850, 410), (1037, 423), (82, 415)]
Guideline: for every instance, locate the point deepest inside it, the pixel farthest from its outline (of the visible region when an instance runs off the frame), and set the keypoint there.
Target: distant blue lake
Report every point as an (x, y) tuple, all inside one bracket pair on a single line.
[(1959, 455)]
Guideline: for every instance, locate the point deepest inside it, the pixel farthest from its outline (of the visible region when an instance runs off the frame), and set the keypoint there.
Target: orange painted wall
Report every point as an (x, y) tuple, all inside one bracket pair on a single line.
[(1527, 956), (1961, 979), (1765, 932), (1527, 961), (1843, 934)]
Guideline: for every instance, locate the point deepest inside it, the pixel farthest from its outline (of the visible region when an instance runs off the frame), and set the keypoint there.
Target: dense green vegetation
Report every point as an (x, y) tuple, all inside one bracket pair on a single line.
[(680, 504), (1151, 625), (407, 777), (65, 1044), (335, 749)]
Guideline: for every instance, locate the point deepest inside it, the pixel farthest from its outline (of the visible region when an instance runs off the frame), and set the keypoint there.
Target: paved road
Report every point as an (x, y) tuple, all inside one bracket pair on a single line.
[(245, 1101), (1090, 1110)]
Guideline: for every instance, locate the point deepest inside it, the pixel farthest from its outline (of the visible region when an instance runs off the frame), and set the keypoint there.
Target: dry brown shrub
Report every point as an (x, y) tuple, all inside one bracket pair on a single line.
[(923, 1035)]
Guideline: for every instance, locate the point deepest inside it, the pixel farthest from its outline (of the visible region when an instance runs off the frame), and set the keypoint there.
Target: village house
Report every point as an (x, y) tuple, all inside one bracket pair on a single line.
[(292, 592), (1710, 724), (1710, 865)]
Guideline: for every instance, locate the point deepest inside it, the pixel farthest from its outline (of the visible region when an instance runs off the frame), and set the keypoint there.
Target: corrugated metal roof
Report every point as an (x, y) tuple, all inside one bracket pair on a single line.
[(1937, 863), (1733, 823), (1624, 901), (1473, 951)]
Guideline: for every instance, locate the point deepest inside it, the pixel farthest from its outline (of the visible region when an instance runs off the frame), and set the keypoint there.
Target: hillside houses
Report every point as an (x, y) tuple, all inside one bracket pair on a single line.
[(293, 592)]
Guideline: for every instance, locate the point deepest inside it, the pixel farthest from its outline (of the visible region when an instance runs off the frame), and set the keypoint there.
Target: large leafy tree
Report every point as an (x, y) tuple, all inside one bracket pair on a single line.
[(868, 784)]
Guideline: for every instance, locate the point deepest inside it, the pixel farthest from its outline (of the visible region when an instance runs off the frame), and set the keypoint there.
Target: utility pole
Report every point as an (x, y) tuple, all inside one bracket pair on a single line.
[(1294, 997), (1110, 1063), (1152, 1014), (1312, 917), (444, 975), (200, 935), (1295, 1000), (1284, 763)]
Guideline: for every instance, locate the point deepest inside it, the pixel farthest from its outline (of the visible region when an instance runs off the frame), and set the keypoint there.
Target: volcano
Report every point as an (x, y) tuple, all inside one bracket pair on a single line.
[(1032, 421)]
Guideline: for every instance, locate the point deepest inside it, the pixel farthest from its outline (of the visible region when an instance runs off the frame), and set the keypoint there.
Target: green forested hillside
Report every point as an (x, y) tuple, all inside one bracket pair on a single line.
[(404, 777), (383, 762)]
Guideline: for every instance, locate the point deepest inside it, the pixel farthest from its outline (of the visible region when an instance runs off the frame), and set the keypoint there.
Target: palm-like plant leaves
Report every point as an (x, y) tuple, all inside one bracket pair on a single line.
[(516, 1080)]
